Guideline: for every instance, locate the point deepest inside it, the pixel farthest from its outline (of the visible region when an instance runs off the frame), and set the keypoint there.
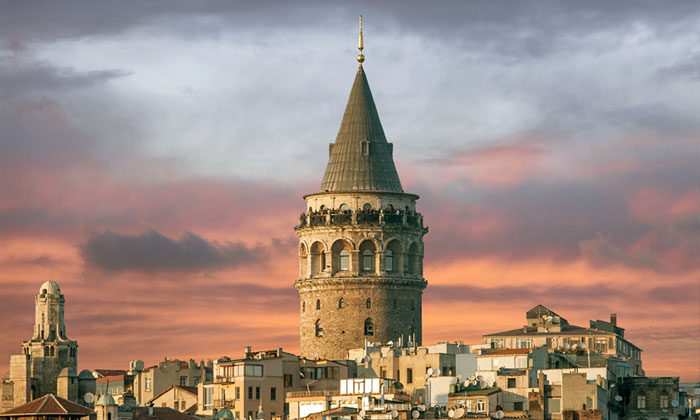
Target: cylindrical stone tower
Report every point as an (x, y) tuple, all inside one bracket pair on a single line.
[(361, 243)]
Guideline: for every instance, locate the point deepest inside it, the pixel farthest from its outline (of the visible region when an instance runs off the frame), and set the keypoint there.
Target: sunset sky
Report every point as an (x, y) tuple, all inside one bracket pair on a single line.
[(154, 156)]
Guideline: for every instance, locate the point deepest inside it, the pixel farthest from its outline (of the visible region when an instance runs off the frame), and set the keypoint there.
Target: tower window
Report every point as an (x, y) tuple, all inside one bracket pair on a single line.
[(343, 207), (367, 260), (319, 328), (341, 303), (367, 207), (318, 303), (303, 306), (368, 303), (369, 326), (365, 148), (344, 260), (389, 260)]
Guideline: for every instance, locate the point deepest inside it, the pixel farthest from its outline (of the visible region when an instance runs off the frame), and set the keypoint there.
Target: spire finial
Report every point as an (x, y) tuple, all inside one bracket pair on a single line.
[(360, 45)]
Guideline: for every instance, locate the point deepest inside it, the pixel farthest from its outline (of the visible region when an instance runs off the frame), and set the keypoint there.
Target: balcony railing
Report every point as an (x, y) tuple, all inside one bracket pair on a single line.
[(362, 217)]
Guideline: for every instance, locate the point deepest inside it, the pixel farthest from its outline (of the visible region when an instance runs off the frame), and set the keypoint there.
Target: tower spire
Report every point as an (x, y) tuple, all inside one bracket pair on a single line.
[(360, 45)]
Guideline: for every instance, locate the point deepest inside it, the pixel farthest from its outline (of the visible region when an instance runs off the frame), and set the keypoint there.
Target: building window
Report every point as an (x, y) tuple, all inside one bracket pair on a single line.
[(365, 148), (518, 406), (303, 306), (511, 382), (368, 303), (257, 392), (389, 260), (480, 406), (318, 304), (409, 376), (663, 400), (367, 260), (344, 260), (367, 207), (523, 343), (238, 393), (176, 405), (273, 394), (319, 328), (369, 327), (641, 400), (341, 303), (497, 343), (183, 380), (208, 398), (250, 392), (288, 380), (148, 384)]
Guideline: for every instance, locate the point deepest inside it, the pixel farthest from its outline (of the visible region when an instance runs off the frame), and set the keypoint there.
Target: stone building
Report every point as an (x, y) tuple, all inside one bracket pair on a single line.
[(545, 327), (649, 398), (151, 381), (49, 360), (360, 242), (256, 385)]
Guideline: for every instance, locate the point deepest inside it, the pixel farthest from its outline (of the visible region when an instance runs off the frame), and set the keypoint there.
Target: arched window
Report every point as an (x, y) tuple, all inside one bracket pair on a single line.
[(303, 264), (343, 207), (368, 303), (319, 328), (318, 258), (393, 257), (318, 303), (365, 148), (52, 351), (663, 399), (389, 260), (344, 260), (367, 260), (46, 351), (369, 326), (367, 206), (341, 303), (303, 306), (642, 400)]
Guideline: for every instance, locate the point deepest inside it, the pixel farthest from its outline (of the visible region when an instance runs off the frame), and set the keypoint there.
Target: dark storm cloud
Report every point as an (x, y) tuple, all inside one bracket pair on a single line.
[(151, 251), (40, 78), (533, 28)]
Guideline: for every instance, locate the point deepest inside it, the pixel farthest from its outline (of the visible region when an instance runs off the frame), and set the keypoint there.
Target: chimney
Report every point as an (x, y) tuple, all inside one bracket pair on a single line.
[(248, 349), (613, 319), (150, 410), (279, 352)]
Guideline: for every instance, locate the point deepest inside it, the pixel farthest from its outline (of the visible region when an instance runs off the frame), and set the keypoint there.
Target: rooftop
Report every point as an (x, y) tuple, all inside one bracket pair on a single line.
[(48, 405)]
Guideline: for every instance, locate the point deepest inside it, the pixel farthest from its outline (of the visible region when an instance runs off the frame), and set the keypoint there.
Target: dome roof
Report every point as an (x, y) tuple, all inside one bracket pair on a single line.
[(224, 413), (86, 374), (105, 399), (50, 287)]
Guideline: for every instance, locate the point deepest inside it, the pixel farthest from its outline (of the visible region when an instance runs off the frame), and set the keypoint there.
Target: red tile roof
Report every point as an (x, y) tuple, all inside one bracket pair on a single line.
[(49, 405)]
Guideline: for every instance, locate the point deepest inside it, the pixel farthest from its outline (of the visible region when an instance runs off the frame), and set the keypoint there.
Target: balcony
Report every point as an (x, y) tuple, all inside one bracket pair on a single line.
[(362, 217)]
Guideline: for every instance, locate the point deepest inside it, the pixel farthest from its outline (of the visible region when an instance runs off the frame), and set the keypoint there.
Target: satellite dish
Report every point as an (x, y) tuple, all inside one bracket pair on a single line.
[(89, 397), (422, 407), (483, 384), (566, 346), (363, 413), (459, 413), (475, 382), (451, 413), (674, 403), (415, 414), (471, 378), (390, 343), (430, 371), (618, 398), (480, 378), (574, 347), (582, 346), (498, 414), (394, 414)]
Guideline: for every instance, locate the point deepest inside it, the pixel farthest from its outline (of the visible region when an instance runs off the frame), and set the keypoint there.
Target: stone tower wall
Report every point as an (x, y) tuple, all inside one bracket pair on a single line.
[(395, 293)]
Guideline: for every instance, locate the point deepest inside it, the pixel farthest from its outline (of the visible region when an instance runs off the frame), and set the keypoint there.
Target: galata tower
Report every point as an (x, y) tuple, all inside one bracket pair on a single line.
[(360, 242)]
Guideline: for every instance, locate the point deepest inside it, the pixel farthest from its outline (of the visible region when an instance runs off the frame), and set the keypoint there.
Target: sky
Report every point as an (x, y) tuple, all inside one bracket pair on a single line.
[(154, 155)]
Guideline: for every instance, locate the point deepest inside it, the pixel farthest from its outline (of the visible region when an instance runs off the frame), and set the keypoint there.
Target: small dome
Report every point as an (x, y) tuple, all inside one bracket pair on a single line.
[(105, 399), (86, 374), (50, 287), (224, 413)]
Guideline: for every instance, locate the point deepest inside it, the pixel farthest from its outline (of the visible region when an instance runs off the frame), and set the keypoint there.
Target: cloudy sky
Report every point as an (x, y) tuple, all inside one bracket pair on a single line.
[(154, 156)]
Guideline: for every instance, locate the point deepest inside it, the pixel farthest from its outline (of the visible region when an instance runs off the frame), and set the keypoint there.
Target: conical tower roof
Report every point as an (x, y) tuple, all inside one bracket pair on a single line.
[(361, 158)]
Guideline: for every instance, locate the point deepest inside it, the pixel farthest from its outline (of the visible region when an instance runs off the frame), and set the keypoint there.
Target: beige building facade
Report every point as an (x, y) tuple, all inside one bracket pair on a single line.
[(360, 243), (151, 381)]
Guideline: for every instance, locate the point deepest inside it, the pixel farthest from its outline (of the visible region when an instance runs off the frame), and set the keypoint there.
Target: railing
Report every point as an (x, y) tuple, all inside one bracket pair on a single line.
[(341, 218)]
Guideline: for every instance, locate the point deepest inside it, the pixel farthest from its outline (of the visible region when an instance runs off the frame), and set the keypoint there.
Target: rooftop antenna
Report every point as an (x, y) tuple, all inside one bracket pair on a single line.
[(360, 45)]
